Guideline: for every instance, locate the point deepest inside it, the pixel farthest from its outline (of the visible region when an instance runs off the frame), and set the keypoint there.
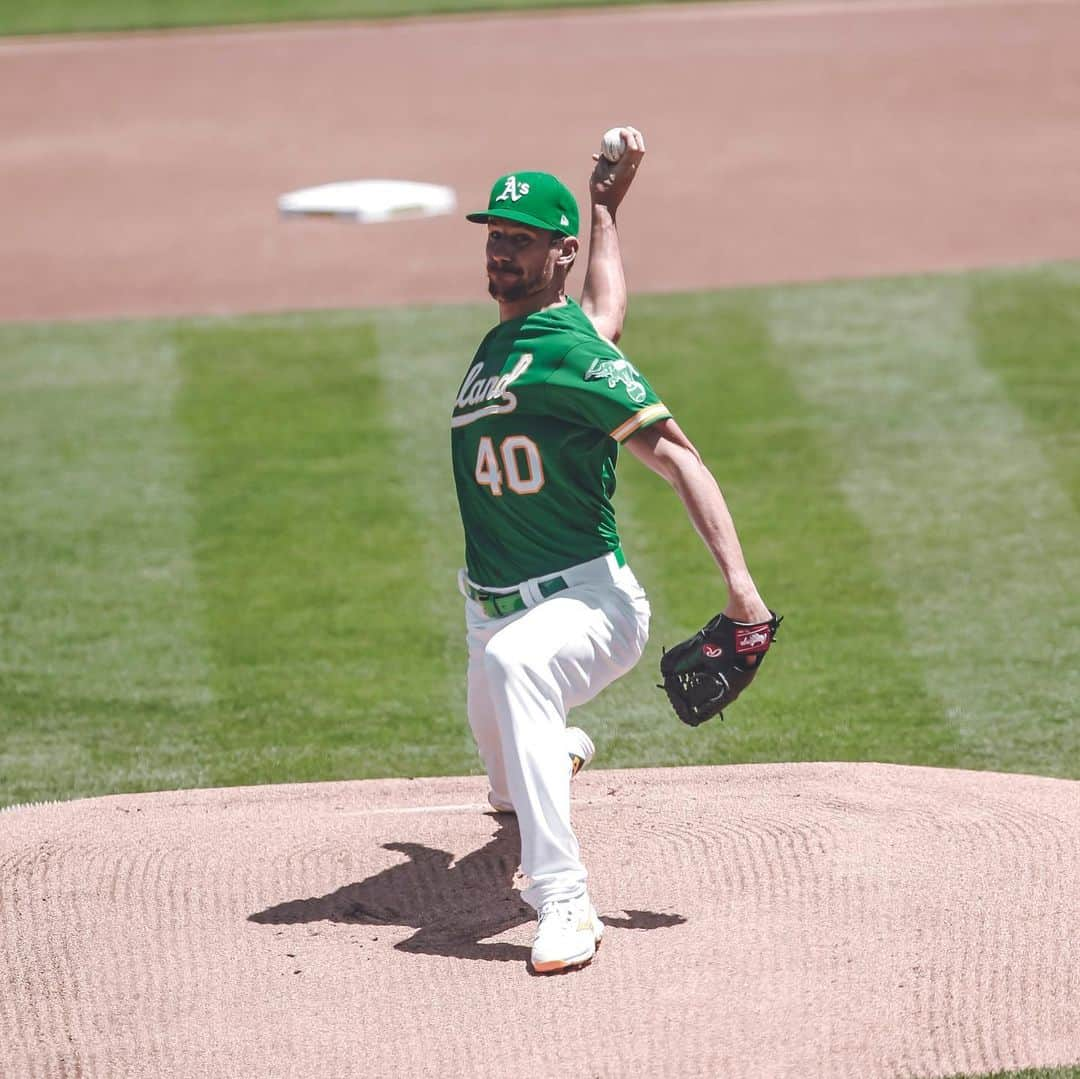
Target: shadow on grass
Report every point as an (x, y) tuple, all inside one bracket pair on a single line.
[(453, 906)]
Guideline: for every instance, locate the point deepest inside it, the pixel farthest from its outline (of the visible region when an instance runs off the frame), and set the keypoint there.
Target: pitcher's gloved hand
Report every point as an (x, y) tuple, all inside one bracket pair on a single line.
[(704, 674)]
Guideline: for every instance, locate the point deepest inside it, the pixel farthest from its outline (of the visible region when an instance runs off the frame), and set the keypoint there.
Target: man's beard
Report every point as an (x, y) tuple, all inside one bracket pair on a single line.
[(517, 290), (511, 289)]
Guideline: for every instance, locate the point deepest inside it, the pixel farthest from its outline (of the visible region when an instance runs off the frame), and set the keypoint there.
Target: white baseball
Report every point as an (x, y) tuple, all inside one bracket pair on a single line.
[(612, 145)]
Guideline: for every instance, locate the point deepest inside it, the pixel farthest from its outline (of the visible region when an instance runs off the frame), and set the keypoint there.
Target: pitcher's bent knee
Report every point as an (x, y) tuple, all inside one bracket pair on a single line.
[(505, 659), (522, 690)]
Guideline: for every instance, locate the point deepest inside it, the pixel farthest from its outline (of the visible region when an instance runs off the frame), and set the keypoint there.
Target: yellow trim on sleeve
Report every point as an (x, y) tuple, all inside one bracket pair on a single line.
[(659, 411)]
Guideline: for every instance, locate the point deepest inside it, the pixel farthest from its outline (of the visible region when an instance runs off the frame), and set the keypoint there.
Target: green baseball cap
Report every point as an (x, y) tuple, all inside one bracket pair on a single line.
[(533, 198)]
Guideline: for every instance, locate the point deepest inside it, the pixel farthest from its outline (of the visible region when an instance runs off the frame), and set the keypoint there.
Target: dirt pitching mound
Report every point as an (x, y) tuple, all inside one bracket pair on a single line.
[(768, 920)]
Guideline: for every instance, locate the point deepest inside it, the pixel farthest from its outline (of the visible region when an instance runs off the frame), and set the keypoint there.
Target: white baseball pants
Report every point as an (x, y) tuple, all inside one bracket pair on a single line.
[(526, 671)]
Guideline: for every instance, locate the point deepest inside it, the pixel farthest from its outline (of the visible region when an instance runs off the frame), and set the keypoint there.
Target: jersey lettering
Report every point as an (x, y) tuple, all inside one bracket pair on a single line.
[(487, 467), (532, 480), (521, 465), (493, 394)]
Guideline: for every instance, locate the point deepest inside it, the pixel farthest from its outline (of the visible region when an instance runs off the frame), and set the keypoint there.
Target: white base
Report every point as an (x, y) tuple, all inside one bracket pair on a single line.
[(369, 201)]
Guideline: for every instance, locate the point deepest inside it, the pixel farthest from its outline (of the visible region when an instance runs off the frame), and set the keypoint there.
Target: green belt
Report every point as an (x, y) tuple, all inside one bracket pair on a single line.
[(499, 605)]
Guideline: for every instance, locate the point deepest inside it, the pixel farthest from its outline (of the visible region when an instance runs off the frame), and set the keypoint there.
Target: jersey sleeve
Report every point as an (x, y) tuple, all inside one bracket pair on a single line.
[(597, 386)]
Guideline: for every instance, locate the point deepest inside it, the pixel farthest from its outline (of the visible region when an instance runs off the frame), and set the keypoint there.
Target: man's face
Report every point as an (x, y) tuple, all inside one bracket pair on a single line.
[(520, 260)]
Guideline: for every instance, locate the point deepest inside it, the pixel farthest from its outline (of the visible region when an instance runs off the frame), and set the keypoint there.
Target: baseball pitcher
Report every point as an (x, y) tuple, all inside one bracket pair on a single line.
[(553, 612)]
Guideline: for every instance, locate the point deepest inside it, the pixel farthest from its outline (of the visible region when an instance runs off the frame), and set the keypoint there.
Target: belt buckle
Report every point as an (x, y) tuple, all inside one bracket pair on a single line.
[(491, 601), (514, 602), (502, 604)]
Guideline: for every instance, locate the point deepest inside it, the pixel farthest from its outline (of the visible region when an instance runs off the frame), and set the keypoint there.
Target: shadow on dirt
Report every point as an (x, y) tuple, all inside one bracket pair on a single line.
[(454, 906)]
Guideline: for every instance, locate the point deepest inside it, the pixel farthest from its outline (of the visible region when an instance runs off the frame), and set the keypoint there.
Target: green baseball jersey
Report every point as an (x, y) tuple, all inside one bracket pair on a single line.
[(535, 435)]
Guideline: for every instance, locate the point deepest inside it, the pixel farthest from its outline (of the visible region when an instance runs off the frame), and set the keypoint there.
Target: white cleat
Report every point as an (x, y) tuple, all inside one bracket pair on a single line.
[(568, 935), (581, 749)]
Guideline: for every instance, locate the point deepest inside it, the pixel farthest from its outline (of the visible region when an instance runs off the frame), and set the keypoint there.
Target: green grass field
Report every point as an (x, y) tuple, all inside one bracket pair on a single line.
[(229, 546), (63, 16)]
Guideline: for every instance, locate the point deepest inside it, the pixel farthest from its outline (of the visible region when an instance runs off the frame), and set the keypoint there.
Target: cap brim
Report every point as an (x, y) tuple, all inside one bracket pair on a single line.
[(482, 217)]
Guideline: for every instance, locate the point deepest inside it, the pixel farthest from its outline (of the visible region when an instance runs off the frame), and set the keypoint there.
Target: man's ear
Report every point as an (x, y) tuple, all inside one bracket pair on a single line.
[(568, 251)]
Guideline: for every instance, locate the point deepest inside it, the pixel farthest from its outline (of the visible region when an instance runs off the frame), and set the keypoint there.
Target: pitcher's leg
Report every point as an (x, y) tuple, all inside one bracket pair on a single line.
[(556, 655), (532, 722), (482, 718), (484, 723)]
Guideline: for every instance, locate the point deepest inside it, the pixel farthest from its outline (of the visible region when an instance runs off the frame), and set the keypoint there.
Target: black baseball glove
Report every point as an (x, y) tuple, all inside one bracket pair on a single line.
[(704, 674)]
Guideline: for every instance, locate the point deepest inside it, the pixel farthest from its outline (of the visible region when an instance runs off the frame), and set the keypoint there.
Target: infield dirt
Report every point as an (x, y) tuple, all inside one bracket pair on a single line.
[(786, 142)]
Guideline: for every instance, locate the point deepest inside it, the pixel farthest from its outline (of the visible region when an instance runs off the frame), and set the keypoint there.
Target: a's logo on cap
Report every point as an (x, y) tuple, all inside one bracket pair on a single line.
[(512, 190)]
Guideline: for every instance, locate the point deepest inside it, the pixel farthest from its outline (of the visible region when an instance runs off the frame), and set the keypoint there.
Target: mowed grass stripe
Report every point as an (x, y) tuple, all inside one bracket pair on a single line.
[(422, 358), (632, 721), (710, 357), (102, 664), (969, 524), (311, 557), (1026, 327)]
